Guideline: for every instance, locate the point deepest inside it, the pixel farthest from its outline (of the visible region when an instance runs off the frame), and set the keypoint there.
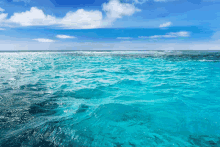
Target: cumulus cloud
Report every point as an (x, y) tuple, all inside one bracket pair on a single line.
[(124, 38), (2, 10), (80, 19), (3, 16), (114, 9), (34, 17), (73, 20), (43, 40), (167, 24), (64, 36), (168, 35)]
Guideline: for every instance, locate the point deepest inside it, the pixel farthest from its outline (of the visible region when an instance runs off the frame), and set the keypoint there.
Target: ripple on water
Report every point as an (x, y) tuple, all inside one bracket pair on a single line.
[(152, 98)]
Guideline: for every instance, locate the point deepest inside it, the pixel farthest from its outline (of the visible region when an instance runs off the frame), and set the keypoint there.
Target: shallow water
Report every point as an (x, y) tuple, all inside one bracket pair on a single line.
[(114, 99)]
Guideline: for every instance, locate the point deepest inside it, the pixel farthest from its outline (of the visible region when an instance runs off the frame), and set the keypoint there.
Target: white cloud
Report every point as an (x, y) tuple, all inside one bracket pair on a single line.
[(34, 17), (180, 34), (2, 10), (167, 24), (43, 40), (73, 20), (114, 9), (168, 35), (17, 45), (140, 1), (3, 16), (2, 29), (64, 36), (82, 19), (124, 38), (25, 1)]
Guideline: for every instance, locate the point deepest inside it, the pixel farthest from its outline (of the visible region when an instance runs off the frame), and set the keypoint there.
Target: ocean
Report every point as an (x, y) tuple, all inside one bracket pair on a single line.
[(110, 99)]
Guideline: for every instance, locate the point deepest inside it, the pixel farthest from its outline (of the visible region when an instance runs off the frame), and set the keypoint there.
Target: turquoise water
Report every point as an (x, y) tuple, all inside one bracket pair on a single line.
[(112, 99)]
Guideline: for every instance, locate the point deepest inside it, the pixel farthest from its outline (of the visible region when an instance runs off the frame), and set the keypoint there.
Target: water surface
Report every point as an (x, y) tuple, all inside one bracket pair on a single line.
[(114, 99)]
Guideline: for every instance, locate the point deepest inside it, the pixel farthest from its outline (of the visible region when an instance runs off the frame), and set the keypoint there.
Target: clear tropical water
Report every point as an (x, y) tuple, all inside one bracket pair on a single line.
[(112, 99)]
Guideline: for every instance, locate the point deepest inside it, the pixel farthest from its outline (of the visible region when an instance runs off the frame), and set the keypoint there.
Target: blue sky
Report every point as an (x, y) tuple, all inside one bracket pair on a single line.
[(109, 24)]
